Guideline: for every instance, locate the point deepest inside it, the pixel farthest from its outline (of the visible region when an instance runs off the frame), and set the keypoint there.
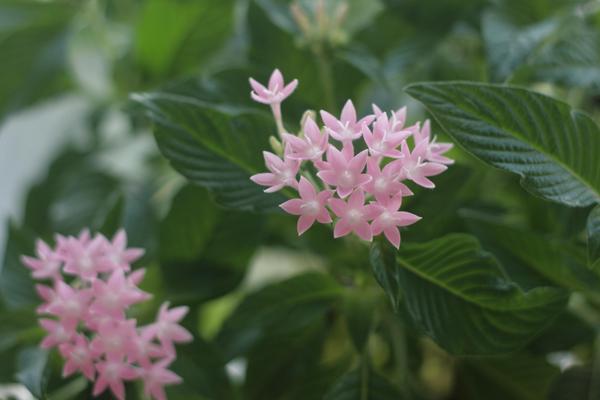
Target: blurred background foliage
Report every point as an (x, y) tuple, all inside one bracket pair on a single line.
[(276, 316)]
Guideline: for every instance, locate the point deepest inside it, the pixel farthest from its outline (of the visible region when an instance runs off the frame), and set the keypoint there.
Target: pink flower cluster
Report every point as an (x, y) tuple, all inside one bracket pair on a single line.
[(86, 314), (354, 168)]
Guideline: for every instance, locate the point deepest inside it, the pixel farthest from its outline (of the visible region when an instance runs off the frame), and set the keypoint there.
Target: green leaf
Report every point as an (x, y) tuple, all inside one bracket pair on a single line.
[(518, 377), (216, 147), (16, 285), (550, 257), (190, 34), (593, 235), (552, 147), (574, 383), (457, 294), (19, 328), (186, 229), (277, 310), (359, 306), (32, 370), (33, 38), (363, 384)]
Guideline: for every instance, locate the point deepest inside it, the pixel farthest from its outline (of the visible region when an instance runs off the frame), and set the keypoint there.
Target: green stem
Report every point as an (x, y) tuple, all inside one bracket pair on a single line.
[(326, 75)]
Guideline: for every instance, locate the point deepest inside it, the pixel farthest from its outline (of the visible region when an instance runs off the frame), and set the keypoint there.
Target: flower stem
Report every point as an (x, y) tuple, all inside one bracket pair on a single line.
[(326, 75)]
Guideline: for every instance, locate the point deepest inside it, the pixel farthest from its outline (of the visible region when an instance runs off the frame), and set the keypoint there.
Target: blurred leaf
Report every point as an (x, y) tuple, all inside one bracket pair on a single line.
[(33, 39), (202, 368), (574, 383), (566, 332), (16, 284), (547, 256), (186, 229), (174, 37), (363, 384), (518, 377), (18, 329), (278, 310), (552, 147), (359, 311), (32, 370), (593, 235), (456, 293), (215, 147)]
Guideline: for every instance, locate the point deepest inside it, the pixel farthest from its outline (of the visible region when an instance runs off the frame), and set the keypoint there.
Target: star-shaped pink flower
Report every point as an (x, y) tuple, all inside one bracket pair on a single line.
[(166, 328), (388, 219), (156, 377), (111, 374), (69, 304), (78, 357), (312, 146), (114, 338), (347, 128), (58, 333), (434, 151), (354, 216), (276, 92), (384, 139), (416, 168), (385, 183), (82, 257), (310, 206), (283, 173), (47, 265), (345, 173), (117, 255), (114, 295)]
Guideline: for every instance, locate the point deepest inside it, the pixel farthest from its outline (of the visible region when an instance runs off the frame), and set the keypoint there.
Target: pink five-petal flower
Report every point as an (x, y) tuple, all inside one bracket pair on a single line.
[(82, 256), (388, 219), (310, 206), (312, 146), (166, 328), (78, 357), (384, 139), (275, 92), (115, 295), (354, 216), (70, 304), (434, 151), (347, 128), (283, 173), (345, 173), (58, 333), (112, 373), (143, 349), (117, 255), (385, 183), (47, 265), (156, 377), (48, 295), (114, 338), (416, 168)]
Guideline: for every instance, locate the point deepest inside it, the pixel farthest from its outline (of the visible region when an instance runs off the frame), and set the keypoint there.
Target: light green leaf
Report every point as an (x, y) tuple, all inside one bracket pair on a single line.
[(593, 235), (518, 377), (363, 384), (277, 310), (216, 147), (32, 370), (456, 293), (16, 285), (554, 148)]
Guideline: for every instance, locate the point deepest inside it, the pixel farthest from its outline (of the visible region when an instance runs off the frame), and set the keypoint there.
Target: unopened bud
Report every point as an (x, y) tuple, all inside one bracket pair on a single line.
[(276, 145), (312, 114)]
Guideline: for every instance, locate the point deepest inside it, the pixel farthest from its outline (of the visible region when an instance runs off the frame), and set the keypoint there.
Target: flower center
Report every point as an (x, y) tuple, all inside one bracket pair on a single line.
[(380, 184), (311, 207), (354, 216), (346, 179)]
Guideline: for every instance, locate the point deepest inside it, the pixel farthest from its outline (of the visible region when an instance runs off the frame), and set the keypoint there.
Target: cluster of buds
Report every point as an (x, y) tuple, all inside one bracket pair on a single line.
[(359, 176), (322, 23), (85, 315)]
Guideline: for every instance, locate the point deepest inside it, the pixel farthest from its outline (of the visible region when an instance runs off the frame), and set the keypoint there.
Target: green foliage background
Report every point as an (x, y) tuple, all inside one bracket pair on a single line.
[(495, 294)]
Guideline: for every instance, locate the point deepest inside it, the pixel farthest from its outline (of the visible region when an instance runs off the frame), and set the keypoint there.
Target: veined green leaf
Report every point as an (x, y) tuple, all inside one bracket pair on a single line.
[(363, 384), (216, 147), (554, 148), (456, 293)]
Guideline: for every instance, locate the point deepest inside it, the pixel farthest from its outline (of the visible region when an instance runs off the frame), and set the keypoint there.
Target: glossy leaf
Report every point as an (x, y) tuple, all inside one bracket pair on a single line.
[(363, 384), (593, 238), (457, 294), (551, 146), (277, 310), (32, 370), (218, 148)]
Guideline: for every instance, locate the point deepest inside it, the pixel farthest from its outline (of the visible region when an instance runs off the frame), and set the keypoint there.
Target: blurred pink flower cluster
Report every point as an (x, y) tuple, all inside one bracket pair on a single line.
[(86, 314), (357, 166)]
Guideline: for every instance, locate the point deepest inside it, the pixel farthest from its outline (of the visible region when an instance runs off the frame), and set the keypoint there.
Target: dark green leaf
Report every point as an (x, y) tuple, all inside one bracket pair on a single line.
[(215, 147), (552, 147), (16, 284), (575, 383), (33, 46), (518, 377), (456, 293), (32, 370), (593, 235), (363, 384), (278, 310), (186, 229)]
